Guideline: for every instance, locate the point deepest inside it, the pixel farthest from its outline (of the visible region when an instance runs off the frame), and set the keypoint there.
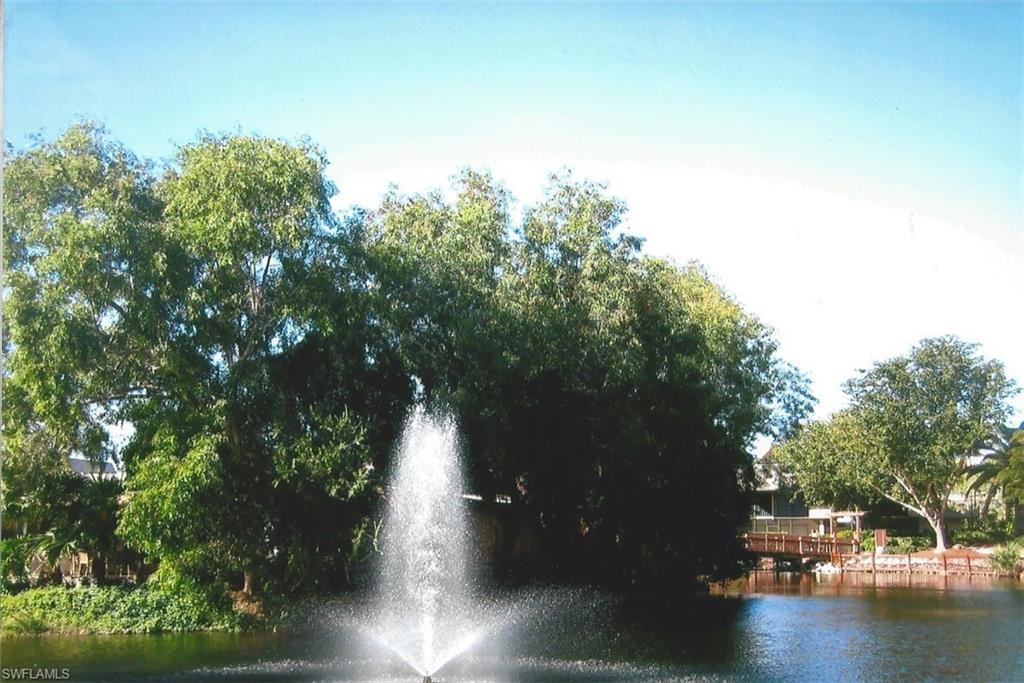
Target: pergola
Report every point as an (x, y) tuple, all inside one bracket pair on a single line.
[(855, 514)]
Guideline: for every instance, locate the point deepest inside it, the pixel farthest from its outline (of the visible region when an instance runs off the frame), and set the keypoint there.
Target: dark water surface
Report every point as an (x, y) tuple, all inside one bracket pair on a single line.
[(800, 628)]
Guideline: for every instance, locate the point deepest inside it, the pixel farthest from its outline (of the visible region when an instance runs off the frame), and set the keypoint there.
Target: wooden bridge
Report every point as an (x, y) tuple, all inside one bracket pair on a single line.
[(799, 547)]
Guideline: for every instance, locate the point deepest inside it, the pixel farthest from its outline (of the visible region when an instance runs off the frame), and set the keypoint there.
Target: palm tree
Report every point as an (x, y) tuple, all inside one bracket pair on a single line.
[(49, 548), (1001, 466)]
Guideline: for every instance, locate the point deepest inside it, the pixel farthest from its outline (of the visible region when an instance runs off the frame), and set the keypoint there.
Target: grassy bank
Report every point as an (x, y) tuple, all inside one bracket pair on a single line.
[(116, 609)]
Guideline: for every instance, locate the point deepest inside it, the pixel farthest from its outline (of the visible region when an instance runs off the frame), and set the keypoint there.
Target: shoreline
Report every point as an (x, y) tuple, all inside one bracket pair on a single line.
[(788, 582)]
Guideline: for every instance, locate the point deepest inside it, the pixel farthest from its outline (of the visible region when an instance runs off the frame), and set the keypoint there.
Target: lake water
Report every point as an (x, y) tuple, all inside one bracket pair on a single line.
[(841, 628)]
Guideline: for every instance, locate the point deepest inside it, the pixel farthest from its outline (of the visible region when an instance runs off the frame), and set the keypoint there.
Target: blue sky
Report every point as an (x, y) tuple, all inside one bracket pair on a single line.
[(852, 173)]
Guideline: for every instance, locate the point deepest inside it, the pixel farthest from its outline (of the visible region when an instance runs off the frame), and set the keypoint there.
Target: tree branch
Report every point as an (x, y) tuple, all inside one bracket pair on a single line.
[(901, 503), (908, 488)]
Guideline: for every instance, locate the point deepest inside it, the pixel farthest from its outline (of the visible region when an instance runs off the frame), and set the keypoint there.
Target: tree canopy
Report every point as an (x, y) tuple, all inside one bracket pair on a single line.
[(264, 348)]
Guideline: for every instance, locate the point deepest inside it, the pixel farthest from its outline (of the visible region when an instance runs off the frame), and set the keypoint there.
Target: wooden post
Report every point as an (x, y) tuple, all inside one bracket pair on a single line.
[(945, 569), (968, 566), (872, 563), (908, 563)]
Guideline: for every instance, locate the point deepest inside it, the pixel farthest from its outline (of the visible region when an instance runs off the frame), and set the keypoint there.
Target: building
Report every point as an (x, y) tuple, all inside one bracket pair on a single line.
[(781, 510), (94, 470)]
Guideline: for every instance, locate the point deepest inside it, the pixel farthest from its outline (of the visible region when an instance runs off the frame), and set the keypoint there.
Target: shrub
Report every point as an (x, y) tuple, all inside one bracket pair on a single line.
[(1007, 557), (981, 531), (867, 537), (901, 545), (151, 607), (14, 555)]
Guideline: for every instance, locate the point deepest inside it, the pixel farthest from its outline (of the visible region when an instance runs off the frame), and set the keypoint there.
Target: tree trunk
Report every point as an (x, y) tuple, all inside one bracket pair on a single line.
[(988, 501), (938, 524), (247, 582), (1017, 514), (141, 570), (99, 569)]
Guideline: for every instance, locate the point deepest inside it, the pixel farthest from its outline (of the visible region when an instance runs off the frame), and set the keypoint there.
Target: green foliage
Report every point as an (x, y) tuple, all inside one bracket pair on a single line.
[(14, 556), (901, 545), (115, 609), (592, 381), (981, 531), (1008, 557), (210, 309), (265, 352), (80, 229), (818, 459), (1011, 477), (895, 545), (929, 408), (1002, 468), (169, 498), (996, 450), (80, 221), (70, 512), (912, 424), (331, 458), (83, 512)]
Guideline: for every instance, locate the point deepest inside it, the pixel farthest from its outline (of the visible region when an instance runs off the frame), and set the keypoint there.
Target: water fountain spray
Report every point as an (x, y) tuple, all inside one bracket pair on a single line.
[(425, 616)]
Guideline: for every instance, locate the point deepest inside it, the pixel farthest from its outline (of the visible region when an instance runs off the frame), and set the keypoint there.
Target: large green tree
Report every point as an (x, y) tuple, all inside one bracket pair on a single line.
[(263, 351), (81, 219), (818, 461), (591, 382), (290, 371), (203, 307), (912, 425), (81, 226)]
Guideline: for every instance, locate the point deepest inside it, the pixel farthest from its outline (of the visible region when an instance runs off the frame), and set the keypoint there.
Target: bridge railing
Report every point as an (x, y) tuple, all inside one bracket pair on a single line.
[(799, 546)]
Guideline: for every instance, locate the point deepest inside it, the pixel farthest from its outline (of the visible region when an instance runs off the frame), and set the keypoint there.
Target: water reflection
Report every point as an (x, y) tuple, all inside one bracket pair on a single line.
[(861, 582), (885, 626)]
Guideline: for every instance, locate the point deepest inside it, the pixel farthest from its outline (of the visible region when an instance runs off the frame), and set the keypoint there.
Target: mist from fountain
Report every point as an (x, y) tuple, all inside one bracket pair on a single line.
[(425, 610)]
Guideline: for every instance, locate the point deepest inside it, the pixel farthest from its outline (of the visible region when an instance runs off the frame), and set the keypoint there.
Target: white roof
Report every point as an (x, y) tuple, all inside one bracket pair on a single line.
[(84, 466)]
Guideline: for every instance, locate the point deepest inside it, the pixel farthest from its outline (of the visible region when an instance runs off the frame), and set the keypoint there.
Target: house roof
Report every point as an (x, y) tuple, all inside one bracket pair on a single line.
[(766, 472), (85, 467)]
